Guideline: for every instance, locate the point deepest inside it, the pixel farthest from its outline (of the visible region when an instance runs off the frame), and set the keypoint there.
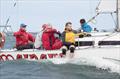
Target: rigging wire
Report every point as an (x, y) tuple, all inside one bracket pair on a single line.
[(113, 19), (98, 6), (7, 21), (90, 20), (93, 18), (7, 28)]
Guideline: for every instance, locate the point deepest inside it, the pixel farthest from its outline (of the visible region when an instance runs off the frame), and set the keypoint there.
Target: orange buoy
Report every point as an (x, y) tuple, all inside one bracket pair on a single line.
[(2, 39)]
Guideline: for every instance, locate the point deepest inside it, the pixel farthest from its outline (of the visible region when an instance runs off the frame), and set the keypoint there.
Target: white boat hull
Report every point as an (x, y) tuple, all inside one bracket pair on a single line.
[(95, 50), (103, 52)]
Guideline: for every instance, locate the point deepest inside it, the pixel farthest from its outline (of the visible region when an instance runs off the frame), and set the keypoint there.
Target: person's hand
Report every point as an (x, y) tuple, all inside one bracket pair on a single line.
[(30, 42), (58, 32)]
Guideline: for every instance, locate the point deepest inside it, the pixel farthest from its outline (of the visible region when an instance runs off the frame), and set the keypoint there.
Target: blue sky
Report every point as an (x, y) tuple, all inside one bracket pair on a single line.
[(35, 13)]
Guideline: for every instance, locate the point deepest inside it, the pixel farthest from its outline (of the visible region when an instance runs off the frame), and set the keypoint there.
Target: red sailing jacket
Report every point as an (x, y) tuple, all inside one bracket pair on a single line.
[(23, 38), (49, 41)]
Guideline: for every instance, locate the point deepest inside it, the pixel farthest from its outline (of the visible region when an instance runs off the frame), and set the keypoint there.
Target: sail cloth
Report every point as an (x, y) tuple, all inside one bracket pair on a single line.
[(106, 6)]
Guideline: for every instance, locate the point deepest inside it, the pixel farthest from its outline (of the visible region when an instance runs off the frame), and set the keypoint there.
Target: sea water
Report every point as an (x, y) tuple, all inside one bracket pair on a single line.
[(23, 69), (58, 68)]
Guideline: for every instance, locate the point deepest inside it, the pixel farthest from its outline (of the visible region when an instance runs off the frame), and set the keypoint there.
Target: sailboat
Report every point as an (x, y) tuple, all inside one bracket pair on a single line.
[(104, 45)]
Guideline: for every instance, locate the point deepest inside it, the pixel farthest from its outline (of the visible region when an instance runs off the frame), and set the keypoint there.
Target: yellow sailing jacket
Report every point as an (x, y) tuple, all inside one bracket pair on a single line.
[(70, 37)]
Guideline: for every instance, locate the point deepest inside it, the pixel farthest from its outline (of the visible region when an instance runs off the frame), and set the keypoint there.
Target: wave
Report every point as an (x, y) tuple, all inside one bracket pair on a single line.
[(101, 63)]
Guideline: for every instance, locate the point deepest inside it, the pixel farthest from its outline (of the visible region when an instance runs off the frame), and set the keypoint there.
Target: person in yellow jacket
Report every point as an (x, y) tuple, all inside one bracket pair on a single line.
[(68, 39)]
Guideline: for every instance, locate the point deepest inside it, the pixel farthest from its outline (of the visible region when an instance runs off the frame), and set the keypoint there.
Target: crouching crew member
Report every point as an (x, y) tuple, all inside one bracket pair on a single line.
[(84, 26), (24, 40), (68, 37), (49, 39)]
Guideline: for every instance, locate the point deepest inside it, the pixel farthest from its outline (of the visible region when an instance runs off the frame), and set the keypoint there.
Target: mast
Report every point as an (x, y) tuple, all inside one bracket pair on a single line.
[(118, 15)]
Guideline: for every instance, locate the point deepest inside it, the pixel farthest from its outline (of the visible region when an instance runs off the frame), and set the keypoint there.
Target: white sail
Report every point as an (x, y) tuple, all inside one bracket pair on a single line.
[(106, 6)]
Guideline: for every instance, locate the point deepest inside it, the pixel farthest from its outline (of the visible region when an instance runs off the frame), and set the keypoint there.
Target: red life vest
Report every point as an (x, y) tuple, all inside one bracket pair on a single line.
[(49, 41), (23, 38)]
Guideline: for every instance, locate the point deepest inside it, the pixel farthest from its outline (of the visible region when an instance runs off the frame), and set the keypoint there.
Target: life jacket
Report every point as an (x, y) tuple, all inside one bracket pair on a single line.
[(57, 45), (2, 40), (23, 38), (49, 41), (70, 37)]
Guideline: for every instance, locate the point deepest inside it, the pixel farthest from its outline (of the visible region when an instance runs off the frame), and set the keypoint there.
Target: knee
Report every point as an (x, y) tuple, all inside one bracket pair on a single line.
[(64, 47), (64, 50), (72, 48)]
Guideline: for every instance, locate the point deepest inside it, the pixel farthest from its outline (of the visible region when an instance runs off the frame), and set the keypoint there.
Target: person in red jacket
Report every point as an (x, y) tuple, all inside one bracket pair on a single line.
[(24, 40), (49, 40)]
